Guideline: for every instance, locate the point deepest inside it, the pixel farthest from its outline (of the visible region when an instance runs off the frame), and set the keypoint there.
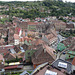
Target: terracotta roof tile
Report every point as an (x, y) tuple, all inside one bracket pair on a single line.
[(44, 69), (41, 56), (73, 62)]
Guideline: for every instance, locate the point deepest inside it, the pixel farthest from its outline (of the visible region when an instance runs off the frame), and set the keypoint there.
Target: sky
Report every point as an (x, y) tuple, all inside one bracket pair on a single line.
[(36, 0)]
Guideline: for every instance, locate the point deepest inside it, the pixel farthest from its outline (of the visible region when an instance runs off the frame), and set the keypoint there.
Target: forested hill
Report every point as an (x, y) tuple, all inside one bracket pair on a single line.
[(38, 8)]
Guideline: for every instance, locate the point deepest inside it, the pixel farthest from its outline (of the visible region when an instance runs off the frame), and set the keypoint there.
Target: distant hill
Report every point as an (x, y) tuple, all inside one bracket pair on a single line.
[(39, 8)]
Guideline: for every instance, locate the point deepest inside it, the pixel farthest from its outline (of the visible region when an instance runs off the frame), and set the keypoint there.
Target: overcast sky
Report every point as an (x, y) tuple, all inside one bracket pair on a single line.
[(36, 0)]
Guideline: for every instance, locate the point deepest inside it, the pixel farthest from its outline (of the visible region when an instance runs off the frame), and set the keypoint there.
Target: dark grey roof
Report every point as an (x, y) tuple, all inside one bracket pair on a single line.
[(69, 65)]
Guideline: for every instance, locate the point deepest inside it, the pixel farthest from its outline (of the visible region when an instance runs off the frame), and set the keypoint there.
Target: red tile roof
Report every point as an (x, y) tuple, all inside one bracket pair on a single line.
[(44, 69), (42, 55), (34, 23), (73, 62), (50, 51), (11, 67)]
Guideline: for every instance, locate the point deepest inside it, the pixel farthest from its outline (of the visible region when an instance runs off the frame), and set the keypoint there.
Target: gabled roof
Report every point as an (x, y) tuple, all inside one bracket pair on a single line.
[(73, 62), (9, 56), (44, 67), (50, 51), (68, 41), (34, 23), (42, 55)]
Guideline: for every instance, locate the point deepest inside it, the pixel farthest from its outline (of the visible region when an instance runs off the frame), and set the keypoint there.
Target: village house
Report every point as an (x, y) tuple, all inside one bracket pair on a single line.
[(11, 36), (50, 39), (9, 56), (54, 69), (33, 26), (70, 26), (73, 18), (16, 39), (66, 51), (27, 20), (66, 46), (59, 25), (42, 55)]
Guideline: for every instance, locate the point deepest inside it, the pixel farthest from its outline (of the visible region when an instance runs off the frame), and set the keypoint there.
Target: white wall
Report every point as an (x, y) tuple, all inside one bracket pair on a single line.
[(16, 42)]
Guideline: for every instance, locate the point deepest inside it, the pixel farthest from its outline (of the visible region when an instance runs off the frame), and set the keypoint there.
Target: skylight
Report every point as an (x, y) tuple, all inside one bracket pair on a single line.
[(63, 65), (48, 72)]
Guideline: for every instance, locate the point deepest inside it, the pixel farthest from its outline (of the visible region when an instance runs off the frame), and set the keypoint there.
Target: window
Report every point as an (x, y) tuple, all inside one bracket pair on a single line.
[(63, 65)]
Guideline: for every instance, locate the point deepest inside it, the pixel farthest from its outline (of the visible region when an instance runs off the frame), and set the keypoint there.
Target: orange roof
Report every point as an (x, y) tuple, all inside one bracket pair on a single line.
[(73, 62)]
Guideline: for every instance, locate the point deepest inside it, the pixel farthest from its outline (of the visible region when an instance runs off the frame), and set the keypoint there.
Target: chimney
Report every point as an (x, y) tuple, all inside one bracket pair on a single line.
[(43, 35), (44, 50)]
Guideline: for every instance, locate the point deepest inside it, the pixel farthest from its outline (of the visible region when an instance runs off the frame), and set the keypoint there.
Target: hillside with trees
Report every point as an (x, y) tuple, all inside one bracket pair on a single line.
[(38, 9)]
